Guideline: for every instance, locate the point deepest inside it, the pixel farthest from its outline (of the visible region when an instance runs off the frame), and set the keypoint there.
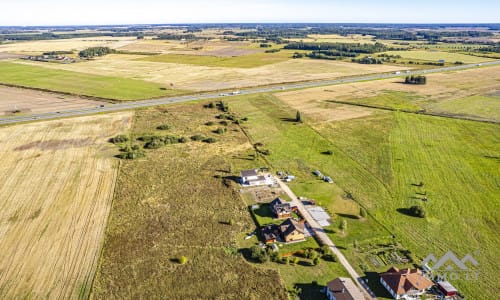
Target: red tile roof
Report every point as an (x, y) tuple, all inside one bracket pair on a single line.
[(403, 281)]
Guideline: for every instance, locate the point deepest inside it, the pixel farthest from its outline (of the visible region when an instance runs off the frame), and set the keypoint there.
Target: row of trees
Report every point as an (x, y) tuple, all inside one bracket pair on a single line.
[(95, 51), (340, 48), (419, 79)]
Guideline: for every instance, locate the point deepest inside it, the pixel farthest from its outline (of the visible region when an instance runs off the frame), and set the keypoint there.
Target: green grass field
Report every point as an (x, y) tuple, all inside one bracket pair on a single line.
[(115, 88), (435, 56), (487, 107), (391, 99), (244, 61), (379, 159)]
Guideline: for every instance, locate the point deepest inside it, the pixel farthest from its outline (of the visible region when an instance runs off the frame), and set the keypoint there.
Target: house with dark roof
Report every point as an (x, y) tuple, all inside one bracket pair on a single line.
[(406, 283), (343, 289), (292, 230), (288, 231), (280, 208)]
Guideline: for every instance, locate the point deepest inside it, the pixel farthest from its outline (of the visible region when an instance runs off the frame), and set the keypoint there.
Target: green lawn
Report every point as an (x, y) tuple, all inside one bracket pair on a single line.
[(244, 61), (435, 56), (79, 83), (391, 99), (379, 159)]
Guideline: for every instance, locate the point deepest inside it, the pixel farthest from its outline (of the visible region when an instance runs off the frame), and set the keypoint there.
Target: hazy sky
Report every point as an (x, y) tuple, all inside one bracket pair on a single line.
[(67, 12)]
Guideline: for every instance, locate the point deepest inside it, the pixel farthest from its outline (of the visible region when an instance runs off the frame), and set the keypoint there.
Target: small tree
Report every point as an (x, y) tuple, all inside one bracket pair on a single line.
[(418, 211), (287, 260), (343, 225), (355, 244), (121, 138), (298, 117), (325, 249), (296, 260), (362, 212), (316, 260)]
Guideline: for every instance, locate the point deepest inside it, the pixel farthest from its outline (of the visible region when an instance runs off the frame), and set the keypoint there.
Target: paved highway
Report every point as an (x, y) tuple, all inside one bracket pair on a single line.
[(206, 96)]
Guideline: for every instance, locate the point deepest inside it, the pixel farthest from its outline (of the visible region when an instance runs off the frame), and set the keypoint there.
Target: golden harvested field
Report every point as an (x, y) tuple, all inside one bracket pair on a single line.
[(77, 44), (32, 101), (58, 179), (202, 47), (201, 78), (440, 87), (336, 38)]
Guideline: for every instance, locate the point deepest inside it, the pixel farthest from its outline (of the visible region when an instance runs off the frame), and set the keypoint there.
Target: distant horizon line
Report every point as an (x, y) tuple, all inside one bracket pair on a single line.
[(264, 22)]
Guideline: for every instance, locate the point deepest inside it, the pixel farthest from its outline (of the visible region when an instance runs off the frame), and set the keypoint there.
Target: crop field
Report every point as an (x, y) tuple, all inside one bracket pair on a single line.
[(57, 180), (203, 47), (20, 101), (37, 47), (242, 61), (177, 201), (79, 83), (203, 78), (336, 38), (380, 159), (438, 55), (460, 93)]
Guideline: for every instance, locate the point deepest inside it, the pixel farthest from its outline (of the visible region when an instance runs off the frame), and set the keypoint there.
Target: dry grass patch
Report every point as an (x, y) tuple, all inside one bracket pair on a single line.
[(77, 44), (176, 202), (57, 184)]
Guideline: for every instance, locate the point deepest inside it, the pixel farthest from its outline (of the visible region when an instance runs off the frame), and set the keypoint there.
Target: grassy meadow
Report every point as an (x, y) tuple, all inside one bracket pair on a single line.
[(467, 93), (177, 202), (108, 87), (380, 159)]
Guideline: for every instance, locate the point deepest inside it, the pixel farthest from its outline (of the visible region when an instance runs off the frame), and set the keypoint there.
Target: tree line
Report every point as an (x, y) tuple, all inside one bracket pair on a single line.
[(339, 47), (95, 51), (419, 79)]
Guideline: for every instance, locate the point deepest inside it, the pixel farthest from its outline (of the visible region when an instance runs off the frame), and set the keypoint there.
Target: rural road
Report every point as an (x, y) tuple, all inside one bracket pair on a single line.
[(325, 239), (206, 96)]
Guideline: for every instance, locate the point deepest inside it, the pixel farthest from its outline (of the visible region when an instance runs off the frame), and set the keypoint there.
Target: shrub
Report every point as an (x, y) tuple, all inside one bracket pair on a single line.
[(210, 140), (211, 105), (163, 127), (362, 212), (154, 144), (209, 123), (316, 261), (132, 154), (121, 138), (328, 152), (183, 260), (149, 138), (418, 211), (224, 122), (197, 137), (220, 130), (258, 254), (183, 139), (326, 250), (295, 260)]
